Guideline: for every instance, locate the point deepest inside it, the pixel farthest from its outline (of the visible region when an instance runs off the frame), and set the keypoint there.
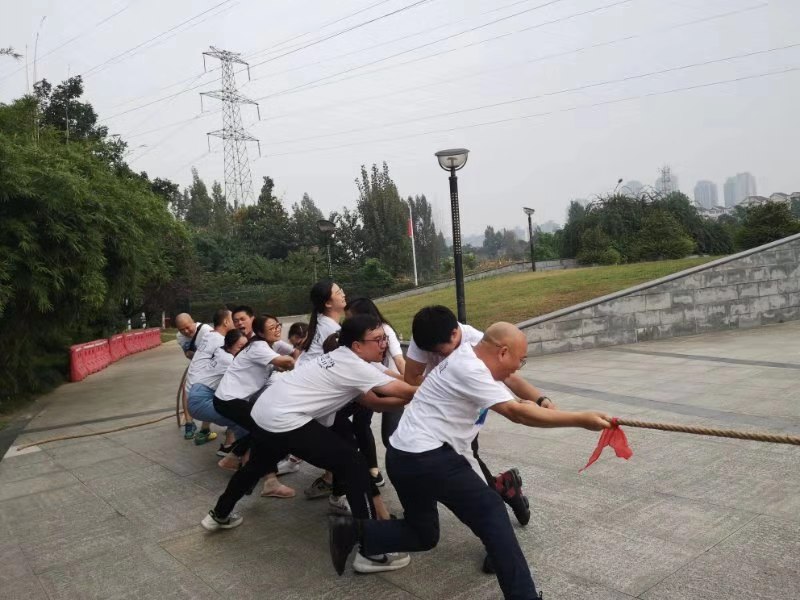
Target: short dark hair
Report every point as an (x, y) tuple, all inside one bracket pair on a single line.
[(365, 306), (299, 329), (232, 337), (243, 308), (433, 325), (354, 328), (331, 343), (220, 315)]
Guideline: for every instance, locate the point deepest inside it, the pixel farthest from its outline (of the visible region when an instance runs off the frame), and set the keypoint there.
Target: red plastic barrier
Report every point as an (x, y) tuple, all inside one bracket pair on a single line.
[(91, 357), (116, 344)]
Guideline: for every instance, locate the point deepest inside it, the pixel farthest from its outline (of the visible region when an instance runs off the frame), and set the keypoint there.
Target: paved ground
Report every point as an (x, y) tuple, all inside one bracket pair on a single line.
[(687, 517)]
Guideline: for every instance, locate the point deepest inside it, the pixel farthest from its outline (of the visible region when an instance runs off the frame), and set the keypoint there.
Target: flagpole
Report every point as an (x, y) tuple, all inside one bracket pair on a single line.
[(413, 245)]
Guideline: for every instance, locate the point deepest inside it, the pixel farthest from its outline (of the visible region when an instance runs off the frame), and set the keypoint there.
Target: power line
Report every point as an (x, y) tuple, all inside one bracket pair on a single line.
[(529, 61), (133, 50), (548, 94), (310, 84), (548, 113)]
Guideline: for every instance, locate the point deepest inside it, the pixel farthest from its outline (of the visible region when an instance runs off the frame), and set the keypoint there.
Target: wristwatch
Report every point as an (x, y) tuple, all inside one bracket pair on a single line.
[(540, 400)]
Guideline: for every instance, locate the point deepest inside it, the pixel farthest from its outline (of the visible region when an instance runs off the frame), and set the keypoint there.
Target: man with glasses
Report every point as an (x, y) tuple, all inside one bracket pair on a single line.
[(435, 335), (426, 463)]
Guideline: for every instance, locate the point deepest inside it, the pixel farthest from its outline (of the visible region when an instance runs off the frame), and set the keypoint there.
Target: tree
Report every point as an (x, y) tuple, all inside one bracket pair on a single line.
[(660, 237), (199, 212), (492, 241), (348, 243), (573, 229), (9, 51), (425, 236), (383, 216), (305, 215), (220, 215), (264, 228), (766, 223), (61, 109), (596, 249)]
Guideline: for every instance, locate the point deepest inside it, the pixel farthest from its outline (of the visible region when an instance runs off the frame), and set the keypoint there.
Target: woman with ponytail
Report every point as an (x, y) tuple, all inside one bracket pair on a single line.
[(327, 310)]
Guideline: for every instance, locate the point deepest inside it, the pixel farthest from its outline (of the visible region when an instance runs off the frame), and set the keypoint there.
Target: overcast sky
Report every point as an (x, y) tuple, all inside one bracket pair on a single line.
[(384, 91)]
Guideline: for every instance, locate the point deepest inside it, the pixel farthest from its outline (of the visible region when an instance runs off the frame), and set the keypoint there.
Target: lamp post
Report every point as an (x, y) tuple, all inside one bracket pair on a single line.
[(314, 252), (529, 212), (619, 183), (413, 243), (453, 160), (328, 227)]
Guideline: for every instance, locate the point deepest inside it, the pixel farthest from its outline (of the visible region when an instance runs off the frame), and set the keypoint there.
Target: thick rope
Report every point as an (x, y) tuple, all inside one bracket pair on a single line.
[(179, 398), (727, 433), (83, 435)]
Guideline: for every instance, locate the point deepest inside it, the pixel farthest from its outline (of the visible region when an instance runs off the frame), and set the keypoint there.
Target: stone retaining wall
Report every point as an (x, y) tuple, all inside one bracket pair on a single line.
[(748, 289)]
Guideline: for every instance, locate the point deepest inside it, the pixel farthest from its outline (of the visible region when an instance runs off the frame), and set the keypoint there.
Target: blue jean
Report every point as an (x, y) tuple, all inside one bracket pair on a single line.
[(201, 406), (424, 479)]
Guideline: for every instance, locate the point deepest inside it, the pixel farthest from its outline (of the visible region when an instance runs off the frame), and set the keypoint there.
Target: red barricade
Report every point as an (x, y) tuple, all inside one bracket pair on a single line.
[(116, 344), (91, 357)]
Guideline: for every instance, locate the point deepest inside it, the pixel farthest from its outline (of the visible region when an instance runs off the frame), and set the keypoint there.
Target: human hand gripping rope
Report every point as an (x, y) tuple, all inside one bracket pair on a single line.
[(615, 437)]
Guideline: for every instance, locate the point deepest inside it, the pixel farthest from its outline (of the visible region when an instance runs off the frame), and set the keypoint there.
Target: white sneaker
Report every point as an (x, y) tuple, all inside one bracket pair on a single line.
[(212, 522), (339, 504), (384, 562), (288, 465)]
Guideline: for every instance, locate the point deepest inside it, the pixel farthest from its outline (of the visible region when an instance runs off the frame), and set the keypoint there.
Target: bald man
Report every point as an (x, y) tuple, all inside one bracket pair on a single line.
[(427, 464), (190, 337)]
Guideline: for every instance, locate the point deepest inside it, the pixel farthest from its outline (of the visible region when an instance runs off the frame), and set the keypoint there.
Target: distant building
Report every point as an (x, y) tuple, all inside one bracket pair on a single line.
[(549, 226), (739, 187), (632, 188), (715, 212), (705, 194), (754, 201), (667, 181)]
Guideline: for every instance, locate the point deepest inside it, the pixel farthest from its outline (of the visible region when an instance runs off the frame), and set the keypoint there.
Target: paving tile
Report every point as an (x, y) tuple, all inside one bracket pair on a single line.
[(11, 471), (23, 588), (34, 485), (87, 453), (113, 467), (13, 564)]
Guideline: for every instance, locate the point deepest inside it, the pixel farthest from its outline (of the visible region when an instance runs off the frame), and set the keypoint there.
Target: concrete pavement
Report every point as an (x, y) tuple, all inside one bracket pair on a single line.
[(687, 517)]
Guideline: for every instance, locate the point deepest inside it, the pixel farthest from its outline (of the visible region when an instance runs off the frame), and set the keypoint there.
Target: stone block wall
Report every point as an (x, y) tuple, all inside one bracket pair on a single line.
[(748, 289)]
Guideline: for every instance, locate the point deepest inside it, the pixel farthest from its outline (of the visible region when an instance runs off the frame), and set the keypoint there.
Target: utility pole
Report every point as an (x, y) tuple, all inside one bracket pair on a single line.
[(413, 242), (238, 182), (529, 212)]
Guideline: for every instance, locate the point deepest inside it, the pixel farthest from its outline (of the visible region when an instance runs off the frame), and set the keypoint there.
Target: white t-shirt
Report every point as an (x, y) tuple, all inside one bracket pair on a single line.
[(185, 343), (211, 342), (469, 335), (249, 372), (450, 406), (392, 349), (216, 367), (316, 390), (283, 348), (325, 327)]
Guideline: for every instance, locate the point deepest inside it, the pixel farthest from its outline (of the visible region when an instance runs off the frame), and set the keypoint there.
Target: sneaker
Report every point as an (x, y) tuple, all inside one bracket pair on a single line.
[(224, 450), (342, 537), (509, 486), (204, 436), (339, 504), (212, 522), (488, 566), (188, 431), (378, 479), (319, 489), (384, 562), (288, 465)]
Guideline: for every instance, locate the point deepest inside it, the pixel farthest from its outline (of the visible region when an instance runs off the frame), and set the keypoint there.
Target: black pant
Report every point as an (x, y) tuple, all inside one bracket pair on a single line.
[(353, 432), (442, 475), (238, 411), (313, 443), (390, 419)]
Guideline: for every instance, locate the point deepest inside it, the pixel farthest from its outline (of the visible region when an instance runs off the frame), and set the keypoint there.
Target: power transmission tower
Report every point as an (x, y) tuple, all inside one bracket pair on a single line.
[(238, 182)]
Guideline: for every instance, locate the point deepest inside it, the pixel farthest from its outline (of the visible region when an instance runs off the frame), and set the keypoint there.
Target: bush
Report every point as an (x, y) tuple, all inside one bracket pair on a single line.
[(596, 249), (660, 237), (766, 223)]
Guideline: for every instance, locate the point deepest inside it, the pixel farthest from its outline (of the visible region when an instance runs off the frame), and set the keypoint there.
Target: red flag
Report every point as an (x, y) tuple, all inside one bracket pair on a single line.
[(410, 228), (613, 437)]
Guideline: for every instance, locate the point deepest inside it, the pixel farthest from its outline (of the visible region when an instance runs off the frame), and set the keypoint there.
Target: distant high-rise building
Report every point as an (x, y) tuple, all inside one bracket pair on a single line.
[(705, 194), (632, 188), (737, 188), (667, 181)]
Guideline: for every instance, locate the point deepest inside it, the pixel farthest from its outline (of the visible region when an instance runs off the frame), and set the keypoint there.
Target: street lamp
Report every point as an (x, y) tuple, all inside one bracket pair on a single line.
[(619, 183), (328, 227), (529, 212), (453, 160)]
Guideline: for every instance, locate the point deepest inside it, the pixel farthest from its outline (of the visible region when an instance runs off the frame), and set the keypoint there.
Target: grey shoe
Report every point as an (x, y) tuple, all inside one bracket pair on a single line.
[(212, 522), (319, 489), (383, 562)]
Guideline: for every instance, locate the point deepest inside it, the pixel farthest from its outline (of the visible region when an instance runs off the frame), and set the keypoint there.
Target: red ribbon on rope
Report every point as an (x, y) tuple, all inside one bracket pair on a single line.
[(613, 437)]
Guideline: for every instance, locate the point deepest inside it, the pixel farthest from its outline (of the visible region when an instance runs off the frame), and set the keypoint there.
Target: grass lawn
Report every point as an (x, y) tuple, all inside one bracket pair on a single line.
[(520, 296)]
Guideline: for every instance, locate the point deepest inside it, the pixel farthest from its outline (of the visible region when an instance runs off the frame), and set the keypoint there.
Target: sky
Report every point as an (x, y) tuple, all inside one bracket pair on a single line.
[(555, 99)]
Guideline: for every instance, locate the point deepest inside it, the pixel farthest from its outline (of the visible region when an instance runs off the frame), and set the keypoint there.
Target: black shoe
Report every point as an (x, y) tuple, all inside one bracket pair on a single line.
[(224, 450), (342, 539), (509, 486), (488, 566)]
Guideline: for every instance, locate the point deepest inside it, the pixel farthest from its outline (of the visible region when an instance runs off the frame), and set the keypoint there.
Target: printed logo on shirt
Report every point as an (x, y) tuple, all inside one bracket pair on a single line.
[(482, 416), (326, 362)]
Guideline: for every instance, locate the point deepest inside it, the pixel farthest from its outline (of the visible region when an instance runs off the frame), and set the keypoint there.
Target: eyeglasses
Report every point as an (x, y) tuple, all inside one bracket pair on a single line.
[(522, 361), (339, 292), (275, 327), (379, 340)]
